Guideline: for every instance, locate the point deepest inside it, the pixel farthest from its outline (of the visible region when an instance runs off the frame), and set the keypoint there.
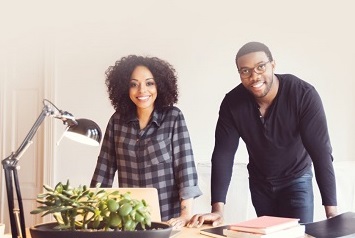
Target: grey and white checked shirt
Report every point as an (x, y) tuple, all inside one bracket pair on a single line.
[(158, 156)]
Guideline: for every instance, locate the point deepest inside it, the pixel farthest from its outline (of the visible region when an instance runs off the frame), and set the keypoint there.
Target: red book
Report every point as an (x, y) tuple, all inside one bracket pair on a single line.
[(265, 224)]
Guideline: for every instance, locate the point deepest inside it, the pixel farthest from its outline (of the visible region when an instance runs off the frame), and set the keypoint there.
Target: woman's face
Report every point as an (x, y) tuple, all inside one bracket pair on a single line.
[(142, 88)]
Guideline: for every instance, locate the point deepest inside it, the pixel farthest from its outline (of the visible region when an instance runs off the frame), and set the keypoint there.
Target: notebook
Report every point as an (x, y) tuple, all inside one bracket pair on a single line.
[(342, 225)]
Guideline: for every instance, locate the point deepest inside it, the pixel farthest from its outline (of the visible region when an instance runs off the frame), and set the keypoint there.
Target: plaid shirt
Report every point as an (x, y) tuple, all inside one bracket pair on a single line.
[(158, 156)]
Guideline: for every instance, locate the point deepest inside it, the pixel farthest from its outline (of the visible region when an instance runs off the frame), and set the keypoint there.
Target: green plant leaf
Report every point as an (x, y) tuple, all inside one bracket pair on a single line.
[(77, 207)]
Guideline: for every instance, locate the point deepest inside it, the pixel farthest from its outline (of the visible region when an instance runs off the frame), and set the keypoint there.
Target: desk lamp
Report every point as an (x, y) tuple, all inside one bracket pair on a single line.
[(81, 130)]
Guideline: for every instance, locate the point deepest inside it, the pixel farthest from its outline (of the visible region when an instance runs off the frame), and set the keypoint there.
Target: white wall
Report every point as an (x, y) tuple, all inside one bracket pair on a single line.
[(311, 39)]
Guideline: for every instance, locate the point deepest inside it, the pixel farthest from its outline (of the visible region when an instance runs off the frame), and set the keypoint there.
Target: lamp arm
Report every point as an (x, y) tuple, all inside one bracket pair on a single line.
[(28, 139)]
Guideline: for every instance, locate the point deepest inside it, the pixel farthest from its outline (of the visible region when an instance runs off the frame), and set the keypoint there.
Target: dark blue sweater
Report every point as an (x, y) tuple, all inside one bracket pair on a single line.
[(293, 134)]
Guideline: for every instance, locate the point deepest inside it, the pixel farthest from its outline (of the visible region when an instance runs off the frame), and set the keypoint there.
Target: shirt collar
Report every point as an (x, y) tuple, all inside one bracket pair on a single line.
[(156, 118)]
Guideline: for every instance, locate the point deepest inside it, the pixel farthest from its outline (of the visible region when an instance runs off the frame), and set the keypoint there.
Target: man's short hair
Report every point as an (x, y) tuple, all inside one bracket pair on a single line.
[(251, 47)]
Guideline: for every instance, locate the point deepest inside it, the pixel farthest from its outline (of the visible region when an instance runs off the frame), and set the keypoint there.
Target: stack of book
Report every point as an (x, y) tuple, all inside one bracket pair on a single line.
[(266, 227)]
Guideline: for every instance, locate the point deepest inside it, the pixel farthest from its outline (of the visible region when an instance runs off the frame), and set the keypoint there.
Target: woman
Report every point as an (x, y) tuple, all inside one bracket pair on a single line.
[(146, 139)]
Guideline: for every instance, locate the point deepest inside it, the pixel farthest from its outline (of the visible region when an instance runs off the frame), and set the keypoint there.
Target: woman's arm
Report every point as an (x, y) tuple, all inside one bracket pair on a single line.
[(185, 214)]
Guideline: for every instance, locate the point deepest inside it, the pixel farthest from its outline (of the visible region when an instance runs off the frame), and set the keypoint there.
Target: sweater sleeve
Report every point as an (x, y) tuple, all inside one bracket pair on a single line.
[(226, 144), (315, 137)]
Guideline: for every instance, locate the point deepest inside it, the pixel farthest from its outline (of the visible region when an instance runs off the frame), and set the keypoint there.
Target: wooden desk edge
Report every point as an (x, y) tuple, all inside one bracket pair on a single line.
[(184, 233)]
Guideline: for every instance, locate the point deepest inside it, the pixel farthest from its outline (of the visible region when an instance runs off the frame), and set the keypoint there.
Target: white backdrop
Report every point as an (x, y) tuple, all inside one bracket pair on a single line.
[(311, 39)]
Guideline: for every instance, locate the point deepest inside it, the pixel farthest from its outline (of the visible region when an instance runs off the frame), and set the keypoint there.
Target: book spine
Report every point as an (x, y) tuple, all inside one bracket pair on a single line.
[(240, 234), (297, 231)]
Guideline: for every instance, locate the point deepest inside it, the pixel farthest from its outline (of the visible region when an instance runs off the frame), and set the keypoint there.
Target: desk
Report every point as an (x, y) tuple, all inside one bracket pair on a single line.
[(340, 225), (195, 233), (190, 232), (184, 233)]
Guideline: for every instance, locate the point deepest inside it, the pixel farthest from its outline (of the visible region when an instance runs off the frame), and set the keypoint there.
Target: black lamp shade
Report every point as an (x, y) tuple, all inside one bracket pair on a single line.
[(86, 132)]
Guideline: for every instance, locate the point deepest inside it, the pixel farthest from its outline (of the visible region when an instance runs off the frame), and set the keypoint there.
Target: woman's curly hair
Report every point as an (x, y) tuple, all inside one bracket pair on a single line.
[(118, 81)]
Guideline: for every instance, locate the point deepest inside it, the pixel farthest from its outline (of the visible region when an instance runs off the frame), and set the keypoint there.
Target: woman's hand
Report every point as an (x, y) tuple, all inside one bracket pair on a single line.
[(178, 222), (185, 214)]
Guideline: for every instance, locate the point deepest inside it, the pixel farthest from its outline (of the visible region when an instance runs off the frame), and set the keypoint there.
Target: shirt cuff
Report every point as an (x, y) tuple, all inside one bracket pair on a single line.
[(190, 192)]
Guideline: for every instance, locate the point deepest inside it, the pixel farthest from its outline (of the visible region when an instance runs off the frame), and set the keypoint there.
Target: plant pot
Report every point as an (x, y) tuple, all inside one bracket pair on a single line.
[(157, 230)]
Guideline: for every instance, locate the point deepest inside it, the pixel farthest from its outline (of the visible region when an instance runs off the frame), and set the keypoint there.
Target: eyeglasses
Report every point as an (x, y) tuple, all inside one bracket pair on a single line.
[(247, 72)]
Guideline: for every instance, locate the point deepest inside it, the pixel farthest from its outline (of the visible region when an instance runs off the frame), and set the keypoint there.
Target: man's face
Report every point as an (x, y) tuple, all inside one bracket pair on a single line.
[(256, 73)]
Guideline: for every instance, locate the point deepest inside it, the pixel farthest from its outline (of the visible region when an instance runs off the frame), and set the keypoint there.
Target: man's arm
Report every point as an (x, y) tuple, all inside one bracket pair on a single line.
[(226, 144), (315, 137)]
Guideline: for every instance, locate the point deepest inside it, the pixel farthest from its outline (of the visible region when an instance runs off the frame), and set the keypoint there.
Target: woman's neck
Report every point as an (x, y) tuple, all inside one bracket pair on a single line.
[(144, 117)]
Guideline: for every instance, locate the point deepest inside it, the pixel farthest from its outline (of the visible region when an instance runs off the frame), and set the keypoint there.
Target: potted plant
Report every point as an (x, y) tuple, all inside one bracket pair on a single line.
[(81, 212)]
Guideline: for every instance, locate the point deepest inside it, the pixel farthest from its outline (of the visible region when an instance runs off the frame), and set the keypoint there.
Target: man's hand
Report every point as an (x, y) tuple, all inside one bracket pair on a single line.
[(197, 220), (215, 217), (330, 211)]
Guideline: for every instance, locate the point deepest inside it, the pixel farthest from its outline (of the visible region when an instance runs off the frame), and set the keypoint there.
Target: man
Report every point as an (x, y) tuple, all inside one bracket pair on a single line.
[(282, 122)]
